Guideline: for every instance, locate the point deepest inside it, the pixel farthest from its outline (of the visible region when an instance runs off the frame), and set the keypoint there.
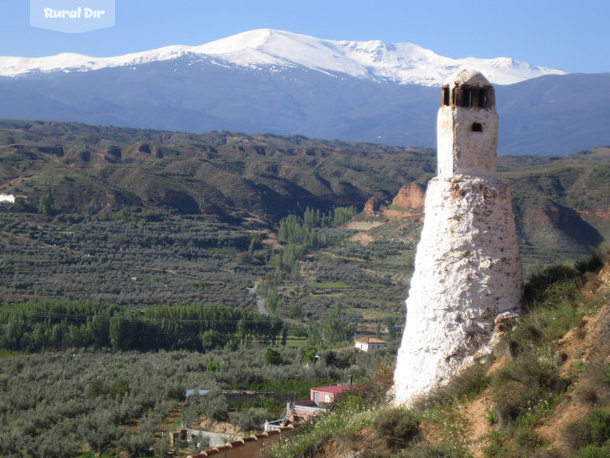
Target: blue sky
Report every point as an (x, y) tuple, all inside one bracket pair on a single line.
[(567, 34)]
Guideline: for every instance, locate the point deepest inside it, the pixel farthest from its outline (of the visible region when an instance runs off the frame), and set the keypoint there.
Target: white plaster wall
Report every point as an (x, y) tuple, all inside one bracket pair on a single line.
[(462, 151), (467, 281)]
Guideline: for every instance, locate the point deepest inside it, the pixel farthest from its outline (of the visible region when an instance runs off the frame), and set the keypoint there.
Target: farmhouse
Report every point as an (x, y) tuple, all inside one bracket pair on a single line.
[(327, 394), (369, 343), (301, 411)]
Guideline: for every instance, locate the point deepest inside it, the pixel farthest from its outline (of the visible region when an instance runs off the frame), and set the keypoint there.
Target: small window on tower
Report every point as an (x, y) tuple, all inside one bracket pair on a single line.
[(467, 97), (482, 98), (477, 127), (445, 96)]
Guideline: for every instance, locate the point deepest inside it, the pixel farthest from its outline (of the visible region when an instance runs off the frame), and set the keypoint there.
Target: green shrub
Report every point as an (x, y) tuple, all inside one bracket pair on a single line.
[(213, 405), (469, 382), (538, 286), (605, 373), (522, 384), (429, 451), (374, 392), (593, 451), (399, 426), (250, 419), (593, 429), (273, 357), (309, 356), (527, 438)]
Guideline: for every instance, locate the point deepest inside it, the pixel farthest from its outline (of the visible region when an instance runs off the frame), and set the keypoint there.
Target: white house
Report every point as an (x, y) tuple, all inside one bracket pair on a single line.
[(369, 343)]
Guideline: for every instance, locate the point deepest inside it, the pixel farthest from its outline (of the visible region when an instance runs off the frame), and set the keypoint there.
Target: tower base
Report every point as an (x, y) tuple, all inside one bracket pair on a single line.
[(467, 282)]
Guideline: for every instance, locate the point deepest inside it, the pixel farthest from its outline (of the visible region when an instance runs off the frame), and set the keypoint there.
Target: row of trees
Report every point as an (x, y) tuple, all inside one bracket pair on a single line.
[(303, 234), (192, 327), (79, 258), (302, 230)]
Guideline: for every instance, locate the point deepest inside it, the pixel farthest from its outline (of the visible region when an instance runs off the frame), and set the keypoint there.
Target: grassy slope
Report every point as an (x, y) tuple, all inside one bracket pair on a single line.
[(545, 391)]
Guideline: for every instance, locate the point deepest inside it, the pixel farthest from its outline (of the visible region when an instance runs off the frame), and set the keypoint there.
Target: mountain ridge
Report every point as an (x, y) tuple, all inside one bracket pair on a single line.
[(375, 60)]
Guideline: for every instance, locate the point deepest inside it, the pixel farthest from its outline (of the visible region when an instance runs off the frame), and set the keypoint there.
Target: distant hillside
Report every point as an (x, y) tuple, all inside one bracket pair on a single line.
[(154, 217), (89, 169)]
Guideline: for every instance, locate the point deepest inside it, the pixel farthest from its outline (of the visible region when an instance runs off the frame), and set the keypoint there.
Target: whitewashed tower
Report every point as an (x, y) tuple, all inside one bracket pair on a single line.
[(468, 280)]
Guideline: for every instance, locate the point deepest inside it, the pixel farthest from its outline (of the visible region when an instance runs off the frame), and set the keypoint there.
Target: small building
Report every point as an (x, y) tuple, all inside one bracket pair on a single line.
[(189, 393), (301, 411), (327, 394), (369, 343)]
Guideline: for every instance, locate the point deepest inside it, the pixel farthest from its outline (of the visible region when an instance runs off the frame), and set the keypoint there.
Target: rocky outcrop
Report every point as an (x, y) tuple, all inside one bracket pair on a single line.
[(410, 196), (372, 205)]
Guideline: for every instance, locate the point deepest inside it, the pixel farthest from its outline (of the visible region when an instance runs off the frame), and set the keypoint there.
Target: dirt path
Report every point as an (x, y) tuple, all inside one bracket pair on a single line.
[(260, 301)]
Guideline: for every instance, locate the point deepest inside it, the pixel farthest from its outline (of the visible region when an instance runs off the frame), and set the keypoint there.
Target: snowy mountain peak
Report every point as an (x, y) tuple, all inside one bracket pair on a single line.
[(402, 63)]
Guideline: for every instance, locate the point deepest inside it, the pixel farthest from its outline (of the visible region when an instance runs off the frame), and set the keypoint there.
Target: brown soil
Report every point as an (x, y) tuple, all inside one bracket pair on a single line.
[(399, 214), (272, 241), (207, 424), (479, 428), (369, 439), (497, 365), (363, 225), (15, 181), (362, 237), (430, 432), (603, 213)]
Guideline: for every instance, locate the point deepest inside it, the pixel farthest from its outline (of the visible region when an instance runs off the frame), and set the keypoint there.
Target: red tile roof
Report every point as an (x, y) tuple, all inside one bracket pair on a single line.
[(370, 340), (335, 389)]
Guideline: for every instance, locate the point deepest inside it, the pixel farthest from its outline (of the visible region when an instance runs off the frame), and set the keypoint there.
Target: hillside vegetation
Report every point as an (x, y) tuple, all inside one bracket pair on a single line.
[(544, 391), (147, 217), (136, 264), (88, 169)]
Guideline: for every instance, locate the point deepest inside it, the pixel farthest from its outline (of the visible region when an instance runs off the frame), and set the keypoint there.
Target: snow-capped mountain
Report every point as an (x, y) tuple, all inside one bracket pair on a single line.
[(285, 83), (402, 63)]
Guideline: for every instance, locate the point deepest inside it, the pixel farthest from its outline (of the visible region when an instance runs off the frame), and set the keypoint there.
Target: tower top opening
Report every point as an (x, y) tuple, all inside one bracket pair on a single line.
[(468, 89)]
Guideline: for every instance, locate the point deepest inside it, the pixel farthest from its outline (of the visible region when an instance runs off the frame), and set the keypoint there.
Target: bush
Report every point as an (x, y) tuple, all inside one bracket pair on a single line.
[(213, 405), (250, 419), (593, 429), (593, 451), (523, 383), (309, 356), (398, 426), (527, 438), (429, 451), (538, 286), (375, 392), (273, 357), (469, 382)]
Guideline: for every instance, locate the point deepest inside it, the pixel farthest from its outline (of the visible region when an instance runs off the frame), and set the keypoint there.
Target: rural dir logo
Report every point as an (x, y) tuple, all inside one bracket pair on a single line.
[(72, 16)]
